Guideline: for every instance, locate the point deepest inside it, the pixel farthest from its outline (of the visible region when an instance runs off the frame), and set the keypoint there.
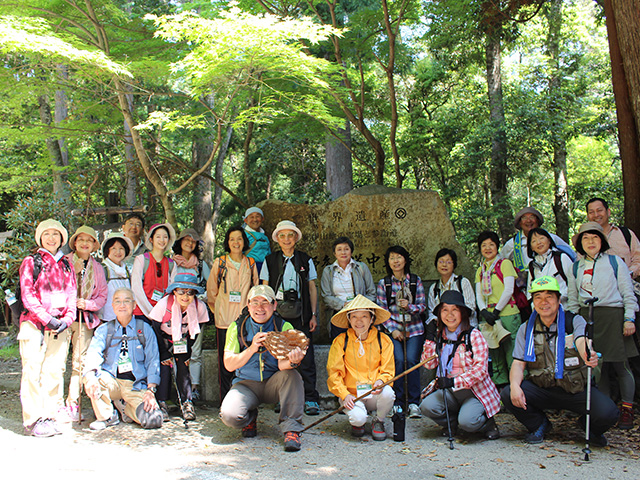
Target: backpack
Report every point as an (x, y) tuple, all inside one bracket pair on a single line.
[(436, 286), (18, 308), (568, 250), (464, 337), (413, 286), (111, 331), (222, 271), (612, 261), (241, 326), (147, 260), (107, 276), (346, 340), (557, 260), (626, 233)]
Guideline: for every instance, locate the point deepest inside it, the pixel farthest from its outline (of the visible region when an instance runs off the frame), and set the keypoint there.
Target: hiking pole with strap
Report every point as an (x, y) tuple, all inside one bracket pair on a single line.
[(80, 319), (399, 296), (588, 333), (446, 412), (175, 383), (366, 394)]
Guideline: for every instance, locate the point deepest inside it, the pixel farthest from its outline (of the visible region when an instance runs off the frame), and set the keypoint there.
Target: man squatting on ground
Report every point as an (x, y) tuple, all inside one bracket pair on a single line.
[(551, 347), (260, 377), (126, 371)]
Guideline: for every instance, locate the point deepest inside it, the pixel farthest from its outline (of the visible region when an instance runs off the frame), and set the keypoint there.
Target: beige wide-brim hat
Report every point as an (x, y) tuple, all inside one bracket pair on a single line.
[(87, 230), (594, 228), (117, 236), (170, 229), (286, 225), (361, 302), (48, 224), (494, 334), (523, 212)]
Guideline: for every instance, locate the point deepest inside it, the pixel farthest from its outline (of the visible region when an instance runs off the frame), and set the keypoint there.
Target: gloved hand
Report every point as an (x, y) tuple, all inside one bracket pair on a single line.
[(444, 382), (488, 316), (55, 323), (63, 326)]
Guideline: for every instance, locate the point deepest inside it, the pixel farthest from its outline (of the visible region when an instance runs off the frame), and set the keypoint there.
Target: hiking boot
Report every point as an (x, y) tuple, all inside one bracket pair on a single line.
[(490, 429), (99, 425), (414, 411), (598, 440), (195, 394), (377, 430), (189, 413), (292, 441), (311, 408), (537, 436), (120, 404), (357, 431), (42, 428), (626, 418), (250, 430), (163, 408)]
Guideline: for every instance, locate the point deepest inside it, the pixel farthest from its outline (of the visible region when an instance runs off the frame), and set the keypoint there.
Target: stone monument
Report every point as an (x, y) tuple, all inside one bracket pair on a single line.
[(374, 218)]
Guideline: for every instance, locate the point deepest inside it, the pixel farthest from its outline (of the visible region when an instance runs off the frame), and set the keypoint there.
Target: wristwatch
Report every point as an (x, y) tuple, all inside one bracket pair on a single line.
[(152, 389)]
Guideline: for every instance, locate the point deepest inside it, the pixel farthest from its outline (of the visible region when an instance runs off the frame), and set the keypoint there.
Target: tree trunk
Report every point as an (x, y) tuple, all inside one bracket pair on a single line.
[(624, 48), (130, 159), (60, 182), (61, 111), (558, 139), (202, 201), (149, 170), (338, 163), (217, 195), (499, 169), (248, 186)]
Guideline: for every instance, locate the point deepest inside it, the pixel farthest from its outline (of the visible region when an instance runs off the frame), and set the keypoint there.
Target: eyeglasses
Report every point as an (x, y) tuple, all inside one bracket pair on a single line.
[(179, 291), (118, 303), (445, 262), (286, 235)]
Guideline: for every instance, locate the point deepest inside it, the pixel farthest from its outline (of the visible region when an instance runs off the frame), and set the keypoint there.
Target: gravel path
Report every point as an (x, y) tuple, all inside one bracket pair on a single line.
[(176, 453)]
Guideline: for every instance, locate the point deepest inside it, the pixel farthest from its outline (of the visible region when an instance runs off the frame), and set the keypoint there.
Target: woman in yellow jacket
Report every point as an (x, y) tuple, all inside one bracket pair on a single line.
[(361, 359), (230, 280)]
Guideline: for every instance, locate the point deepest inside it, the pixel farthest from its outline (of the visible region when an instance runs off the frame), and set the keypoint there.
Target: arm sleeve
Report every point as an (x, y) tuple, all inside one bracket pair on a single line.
[(28, 292), (419, 304), (336, 369), (431, 302), (71, 293), (369, 285), (479, 369), (468, 294), (635, 255), (625, 286), (151, 356), (99, 294), (326, 291), (429, 350), (509, 284), (387, 362), (95, 357), (479, 297), (136, 285), (573, 302), (212, 285)]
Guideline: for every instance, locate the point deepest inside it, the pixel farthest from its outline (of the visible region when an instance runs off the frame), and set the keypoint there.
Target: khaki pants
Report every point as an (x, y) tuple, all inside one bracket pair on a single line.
[(43, 364), (116, 389), (80, 347)]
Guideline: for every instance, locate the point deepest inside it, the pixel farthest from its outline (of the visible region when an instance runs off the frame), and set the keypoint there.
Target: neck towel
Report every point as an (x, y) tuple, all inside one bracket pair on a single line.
[(530, 353)]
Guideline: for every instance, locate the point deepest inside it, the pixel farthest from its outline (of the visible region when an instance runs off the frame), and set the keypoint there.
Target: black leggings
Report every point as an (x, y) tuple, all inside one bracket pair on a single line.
[(183, 377)]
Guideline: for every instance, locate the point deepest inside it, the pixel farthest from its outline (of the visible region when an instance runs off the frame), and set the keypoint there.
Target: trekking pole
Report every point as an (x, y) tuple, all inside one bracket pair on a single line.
[(588, 335), (365, 394), (446, 412), (406, 377), (81, 361), (175, 383)]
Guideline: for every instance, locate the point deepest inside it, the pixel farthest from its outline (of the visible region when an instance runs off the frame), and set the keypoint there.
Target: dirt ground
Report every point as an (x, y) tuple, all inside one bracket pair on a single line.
[(209, 450)]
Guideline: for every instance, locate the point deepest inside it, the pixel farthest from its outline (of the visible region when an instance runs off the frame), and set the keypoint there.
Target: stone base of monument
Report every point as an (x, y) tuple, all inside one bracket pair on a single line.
[(211, 393)]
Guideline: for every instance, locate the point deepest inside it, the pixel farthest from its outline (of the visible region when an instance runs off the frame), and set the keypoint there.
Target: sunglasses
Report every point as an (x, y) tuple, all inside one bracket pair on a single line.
[(179, 291)]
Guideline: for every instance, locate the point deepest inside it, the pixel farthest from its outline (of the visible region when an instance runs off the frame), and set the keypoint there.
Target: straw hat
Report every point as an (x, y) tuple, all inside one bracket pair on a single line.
[(341, 319), (286, 225), (46, 225), (493, 334), (128, 244), (172, 235), (87, 230)]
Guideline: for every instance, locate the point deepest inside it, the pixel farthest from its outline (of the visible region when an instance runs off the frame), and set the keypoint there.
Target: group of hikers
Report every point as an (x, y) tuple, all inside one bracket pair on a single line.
[(539, 328)]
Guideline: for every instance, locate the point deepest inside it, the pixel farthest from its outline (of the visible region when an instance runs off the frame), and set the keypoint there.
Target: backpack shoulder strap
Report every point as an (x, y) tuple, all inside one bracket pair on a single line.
[(568, 323), (614, 264), (459, 282), (37, 266), (626, 233), (379, 341), (413, 286), (575, 268), (498, 270), (111, 331), (145, 266), (107, 275), (222, 269), (65, 262), (387, 288), (252, 265), (140, 332), (167, 313), (557, 259)]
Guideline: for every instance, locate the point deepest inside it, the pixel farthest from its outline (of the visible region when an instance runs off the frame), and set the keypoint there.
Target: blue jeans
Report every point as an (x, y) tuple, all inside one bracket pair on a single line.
[(414, 351)]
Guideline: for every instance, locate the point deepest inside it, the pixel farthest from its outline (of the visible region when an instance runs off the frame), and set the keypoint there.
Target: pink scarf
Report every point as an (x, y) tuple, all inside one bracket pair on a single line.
[(183, 262), (192, 320)]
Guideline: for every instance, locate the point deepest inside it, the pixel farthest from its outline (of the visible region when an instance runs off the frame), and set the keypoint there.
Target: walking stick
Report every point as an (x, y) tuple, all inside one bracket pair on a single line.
[(406, 377), (175, 383), (588, 335), (365, 394), (81, 360)]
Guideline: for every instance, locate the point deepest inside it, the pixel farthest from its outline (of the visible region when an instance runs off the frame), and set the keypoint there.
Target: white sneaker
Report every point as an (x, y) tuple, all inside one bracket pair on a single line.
[(102, 424), (74, 413), (414, 411)]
